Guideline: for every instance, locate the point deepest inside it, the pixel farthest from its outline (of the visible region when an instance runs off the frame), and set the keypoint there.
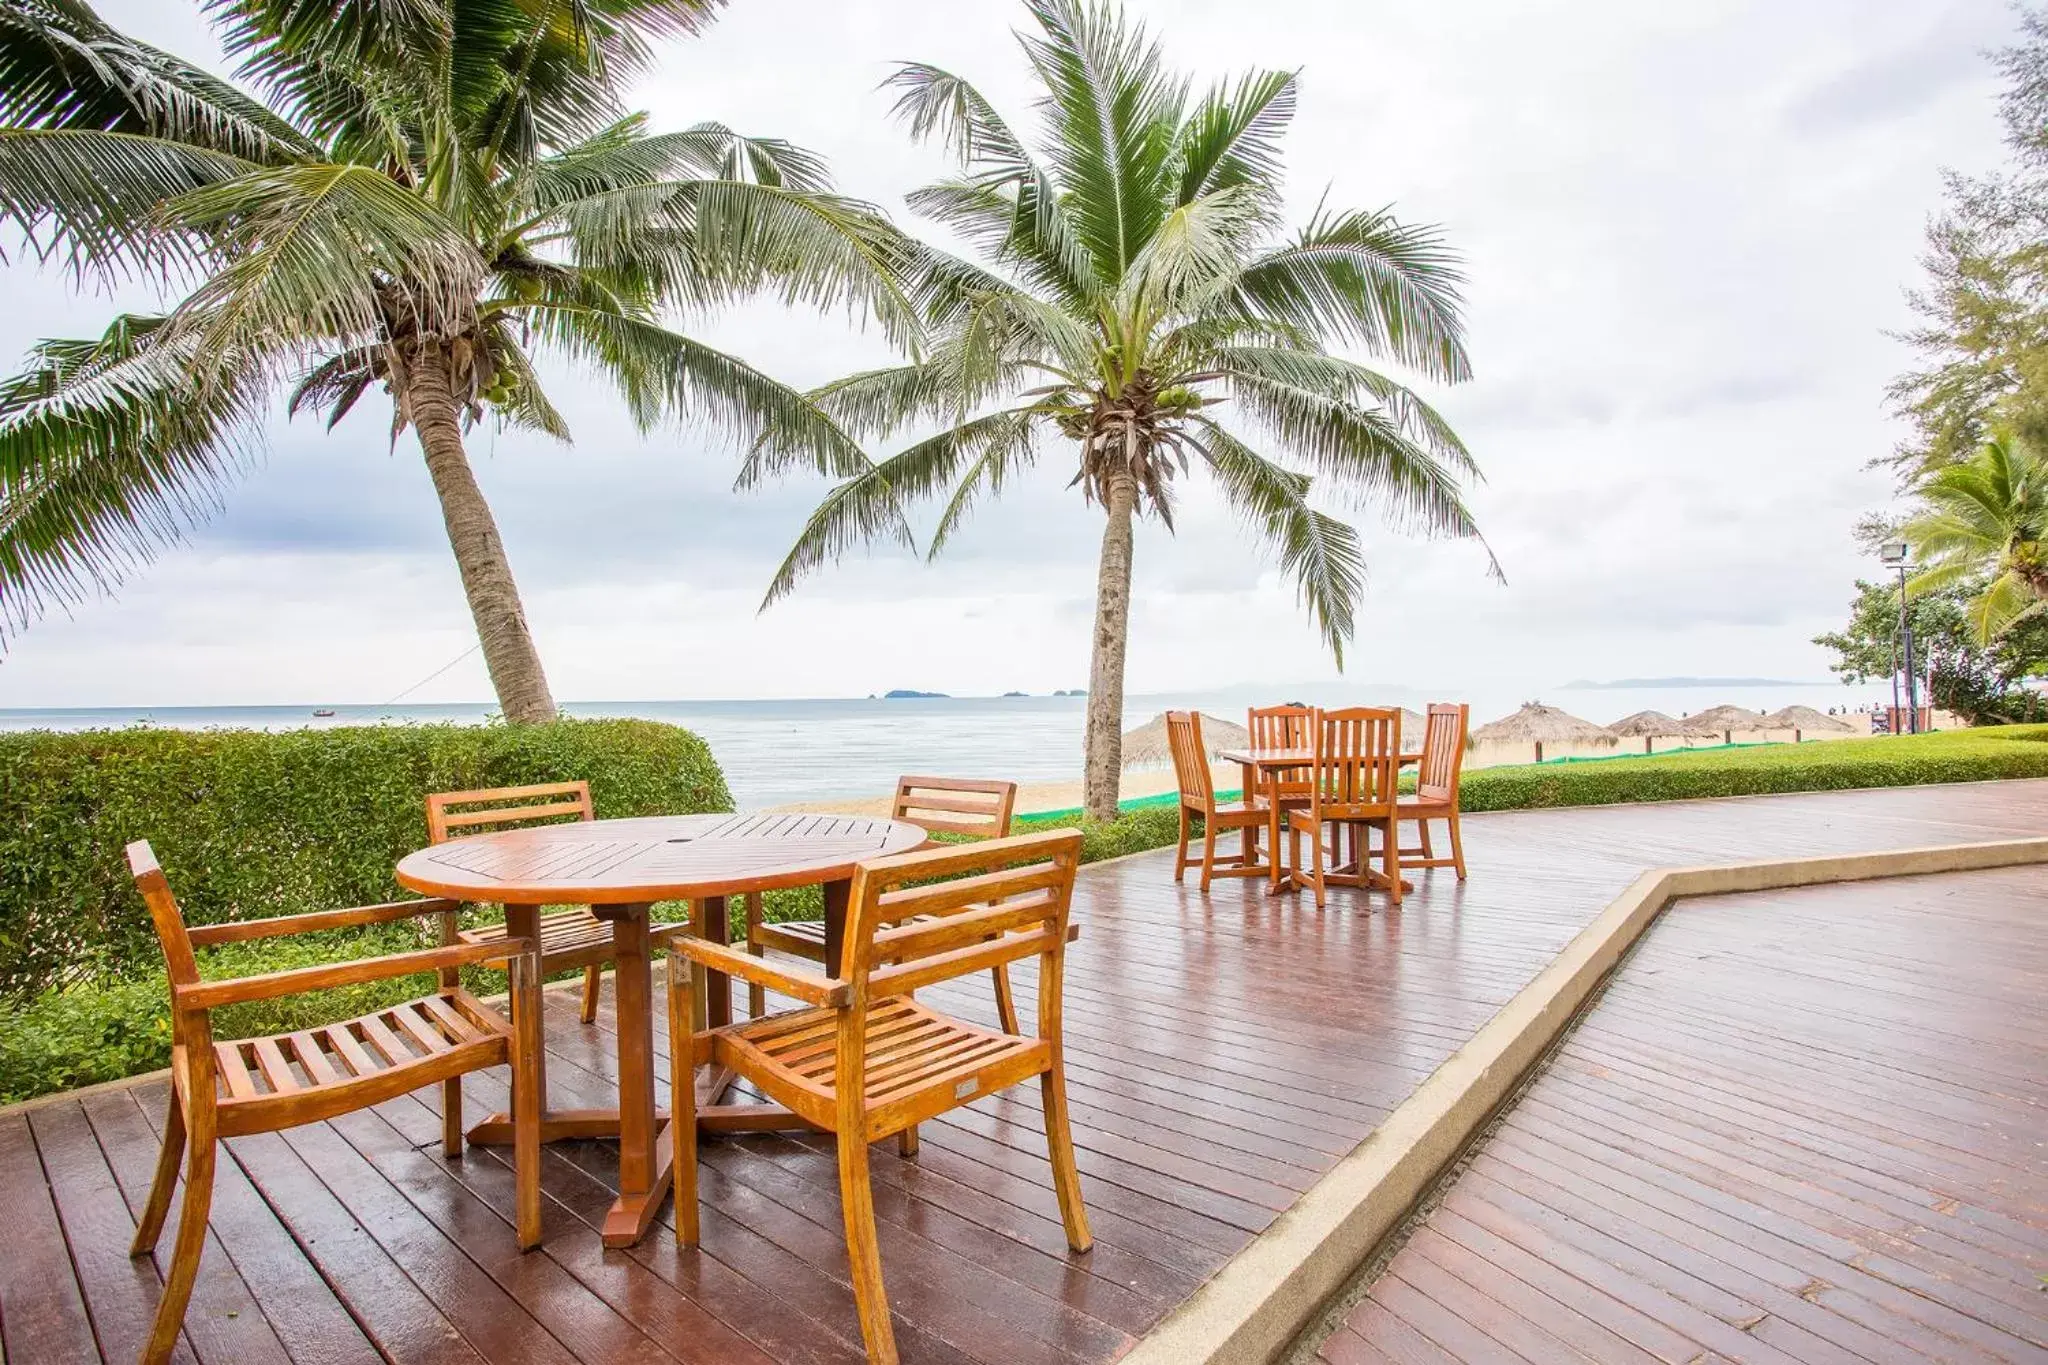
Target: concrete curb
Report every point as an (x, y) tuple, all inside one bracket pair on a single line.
[(1252, 1309)]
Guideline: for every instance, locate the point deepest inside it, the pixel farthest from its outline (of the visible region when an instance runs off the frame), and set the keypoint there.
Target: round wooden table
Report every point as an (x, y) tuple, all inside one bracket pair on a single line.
[(619, 868)]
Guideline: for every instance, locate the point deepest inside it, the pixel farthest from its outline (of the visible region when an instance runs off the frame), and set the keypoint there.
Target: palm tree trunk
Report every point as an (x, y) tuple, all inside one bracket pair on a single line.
[(473, 534), (1103, 765)]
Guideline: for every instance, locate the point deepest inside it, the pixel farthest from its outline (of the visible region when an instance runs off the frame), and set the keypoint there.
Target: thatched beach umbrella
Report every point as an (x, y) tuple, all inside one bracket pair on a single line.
[(1538, 724), (1726, 720), (1146, 746), (1651, 726), (1804, 720)]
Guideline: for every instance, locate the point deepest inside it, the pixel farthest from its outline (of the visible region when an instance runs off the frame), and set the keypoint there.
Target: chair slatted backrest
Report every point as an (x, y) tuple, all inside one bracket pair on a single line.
[(1284, 727), (1358, 760), (1190, 758), (1281, 727), (956, 805), (500, 807), (1443, 751), (924, 917)]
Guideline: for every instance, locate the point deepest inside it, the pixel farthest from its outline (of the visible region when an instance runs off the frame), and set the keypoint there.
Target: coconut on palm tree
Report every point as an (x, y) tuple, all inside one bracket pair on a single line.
[(419, 198), (1986, 520), (1140, 307)]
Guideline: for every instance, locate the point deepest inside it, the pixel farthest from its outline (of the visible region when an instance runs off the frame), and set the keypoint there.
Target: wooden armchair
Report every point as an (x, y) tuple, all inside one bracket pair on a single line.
[(1198, 798), (260, 1085), (1436, 787), (1357, 764), (865, 1060), (950, 805), (569, 938)]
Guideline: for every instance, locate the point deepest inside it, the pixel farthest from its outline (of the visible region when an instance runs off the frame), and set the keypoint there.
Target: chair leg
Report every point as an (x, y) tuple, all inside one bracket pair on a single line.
[(1428, 853), (593, 979), (757, 994), (190, 1243), (864, 1257), (1390, 857), (1316, 876), (682, 1090), (1059, 1142), (168, 1160), (529, 1099), (1457, 846), (1006, 1004), (1208, 849), (451, 1116), (906, 1142), (1180, 851)]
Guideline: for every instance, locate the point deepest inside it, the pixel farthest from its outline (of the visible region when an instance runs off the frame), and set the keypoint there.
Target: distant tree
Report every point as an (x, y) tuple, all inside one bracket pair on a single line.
[(1985, 522), (1138, 285), (1983, 683), (1984, 306), (419, 197)]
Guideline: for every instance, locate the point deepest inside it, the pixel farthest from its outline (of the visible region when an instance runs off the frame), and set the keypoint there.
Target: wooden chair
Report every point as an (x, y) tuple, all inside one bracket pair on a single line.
[(1358, 762), (260, 1085), (866, 1060), (569, 938), (951, 805), (1436, 787), (1198, 797)]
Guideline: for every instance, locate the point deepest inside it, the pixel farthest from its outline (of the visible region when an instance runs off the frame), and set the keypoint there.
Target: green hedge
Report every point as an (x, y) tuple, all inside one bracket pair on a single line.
[(249, 823), (1832, 765)]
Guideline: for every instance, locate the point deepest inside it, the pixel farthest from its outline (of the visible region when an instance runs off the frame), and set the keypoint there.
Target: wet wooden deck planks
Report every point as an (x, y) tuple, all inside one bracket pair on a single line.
[(1224, 1052), (1799, 1126)]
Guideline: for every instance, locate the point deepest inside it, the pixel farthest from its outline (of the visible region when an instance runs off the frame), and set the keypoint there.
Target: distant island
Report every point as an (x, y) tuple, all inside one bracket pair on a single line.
[(1588, 685), (905, 694), (1072, 692), (1016, 694)]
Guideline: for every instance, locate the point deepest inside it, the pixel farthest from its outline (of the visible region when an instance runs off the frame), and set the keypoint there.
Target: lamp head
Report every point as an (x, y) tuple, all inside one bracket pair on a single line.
[(1893, 553)]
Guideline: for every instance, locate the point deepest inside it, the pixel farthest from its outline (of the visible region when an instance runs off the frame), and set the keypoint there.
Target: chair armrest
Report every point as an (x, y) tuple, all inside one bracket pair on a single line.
[(809, 987), (239, 931), (213, 994)]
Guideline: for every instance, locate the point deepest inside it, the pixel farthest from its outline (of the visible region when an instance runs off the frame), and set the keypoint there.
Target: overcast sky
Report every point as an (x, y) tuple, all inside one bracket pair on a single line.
[(1687, 228)]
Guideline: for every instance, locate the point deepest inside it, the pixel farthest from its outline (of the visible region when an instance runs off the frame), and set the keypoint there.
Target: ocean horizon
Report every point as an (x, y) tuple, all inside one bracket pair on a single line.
[(782, 751)]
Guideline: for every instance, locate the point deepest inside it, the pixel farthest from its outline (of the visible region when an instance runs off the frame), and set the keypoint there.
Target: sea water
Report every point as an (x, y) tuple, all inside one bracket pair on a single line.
[(780, 752)]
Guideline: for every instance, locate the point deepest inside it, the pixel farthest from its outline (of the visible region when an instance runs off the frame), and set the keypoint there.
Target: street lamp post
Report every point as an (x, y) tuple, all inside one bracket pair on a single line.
[(1894, 554)]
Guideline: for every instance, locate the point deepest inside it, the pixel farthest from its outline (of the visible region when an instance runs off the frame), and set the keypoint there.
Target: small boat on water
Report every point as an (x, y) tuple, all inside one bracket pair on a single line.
[(324, 712)]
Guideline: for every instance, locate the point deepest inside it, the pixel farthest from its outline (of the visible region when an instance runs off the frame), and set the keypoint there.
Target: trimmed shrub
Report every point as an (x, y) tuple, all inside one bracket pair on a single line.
[(1832, 765), (250, 824)]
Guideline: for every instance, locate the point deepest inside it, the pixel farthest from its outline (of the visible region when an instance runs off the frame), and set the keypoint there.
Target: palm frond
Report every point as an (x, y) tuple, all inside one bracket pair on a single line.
[(62, 67), (1114, 114), (91, 197), (1347, 381), (1363, 276), (310, 252), (1232, 139), (705, 241), (1012, 204), (1319, 552), (109, 449), (665, 376), (1001, 445), (1363, 455)]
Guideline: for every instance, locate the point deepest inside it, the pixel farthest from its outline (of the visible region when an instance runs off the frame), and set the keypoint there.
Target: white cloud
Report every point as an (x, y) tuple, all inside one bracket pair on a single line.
[(1688, 229)]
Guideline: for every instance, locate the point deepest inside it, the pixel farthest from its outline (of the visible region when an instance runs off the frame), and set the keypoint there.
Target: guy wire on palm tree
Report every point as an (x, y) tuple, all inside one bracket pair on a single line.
[(1139, 285), (418, 197)]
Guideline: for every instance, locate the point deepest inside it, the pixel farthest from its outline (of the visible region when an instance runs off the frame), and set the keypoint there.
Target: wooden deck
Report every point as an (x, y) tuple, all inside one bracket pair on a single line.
[(1799, 1126), (1224, 1052)]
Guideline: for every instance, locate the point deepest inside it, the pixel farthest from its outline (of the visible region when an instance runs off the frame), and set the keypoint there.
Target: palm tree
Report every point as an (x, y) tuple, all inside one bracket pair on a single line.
[(1137, 282), (418, 197), (1986, 520)]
